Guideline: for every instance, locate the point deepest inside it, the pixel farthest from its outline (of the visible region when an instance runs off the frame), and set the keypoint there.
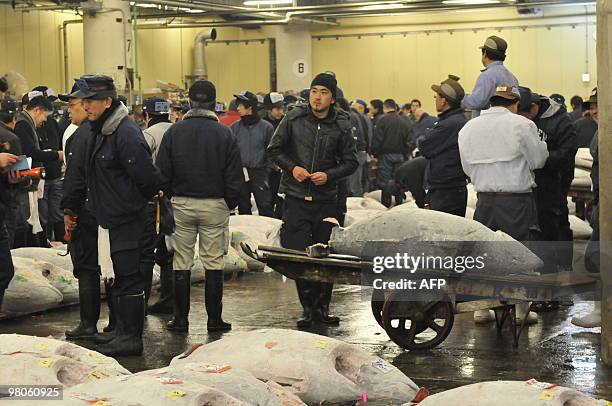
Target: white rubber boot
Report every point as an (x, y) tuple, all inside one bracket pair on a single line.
[(521, 312), (484, 316), (589, 320)]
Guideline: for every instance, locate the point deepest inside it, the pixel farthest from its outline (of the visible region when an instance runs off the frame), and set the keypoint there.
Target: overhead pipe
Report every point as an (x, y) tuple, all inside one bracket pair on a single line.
[(199, 55)]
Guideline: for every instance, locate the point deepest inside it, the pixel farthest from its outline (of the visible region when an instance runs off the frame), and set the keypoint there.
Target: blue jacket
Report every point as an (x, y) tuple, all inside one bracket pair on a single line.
[(441, 148), (494, 75), (253, 140), (420, 127), (121, 176)]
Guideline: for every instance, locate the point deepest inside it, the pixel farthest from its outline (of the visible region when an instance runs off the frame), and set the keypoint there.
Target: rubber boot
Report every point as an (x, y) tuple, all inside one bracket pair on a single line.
[(108, 333), (213, 299), (1, 299), (146, 269), (321, 313), (589, 320), (305, 294), (58, 232), (166, 298), (130, 323), (89, 307), (182, 301)]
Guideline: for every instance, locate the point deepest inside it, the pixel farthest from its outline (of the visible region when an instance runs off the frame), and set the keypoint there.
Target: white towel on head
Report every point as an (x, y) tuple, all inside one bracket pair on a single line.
[(104, 254)]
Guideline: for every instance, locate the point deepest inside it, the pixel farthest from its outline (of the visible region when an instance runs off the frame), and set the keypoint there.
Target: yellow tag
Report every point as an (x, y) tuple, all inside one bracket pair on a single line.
[(320, 344), (176, 394), (546, 395), (97, 356), (102, 403), (95, 374), (45, 362), (42, 346)]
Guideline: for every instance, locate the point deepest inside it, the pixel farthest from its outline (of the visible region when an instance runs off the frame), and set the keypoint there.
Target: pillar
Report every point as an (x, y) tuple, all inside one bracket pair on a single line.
[(293, 57), (107, 40), (604, 98)]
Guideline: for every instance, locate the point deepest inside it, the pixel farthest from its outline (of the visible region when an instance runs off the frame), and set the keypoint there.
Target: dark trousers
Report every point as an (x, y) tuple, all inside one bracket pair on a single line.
[(451, 200), (566, 236), (125, 245), (515, 215), (387, 164), (49, 210), (148, 242), (260, 188), (84, 245), (592, 252), (7, 271), (303, 226), (277, 201), (549, 219)]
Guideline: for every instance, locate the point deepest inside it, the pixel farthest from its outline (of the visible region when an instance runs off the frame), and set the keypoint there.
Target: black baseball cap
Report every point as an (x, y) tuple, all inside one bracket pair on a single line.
[(247, 97), (450, 89), (156, 106), (65, 97), (203, 91), (95, 87), (496, 45), (591, 100), (527, 98), (9, 106)]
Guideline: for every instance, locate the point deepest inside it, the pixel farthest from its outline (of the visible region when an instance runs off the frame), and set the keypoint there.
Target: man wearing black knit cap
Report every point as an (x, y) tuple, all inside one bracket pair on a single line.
[(315, 148)]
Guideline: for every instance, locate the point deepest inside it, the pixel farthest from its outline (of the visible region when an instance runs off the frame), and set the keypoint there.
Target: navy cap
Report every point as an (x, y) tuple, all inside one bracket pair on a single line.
[(247, 97), (9, 106), (527, 98), (203, 91), (96, 87), (156, 106), (68, 96)]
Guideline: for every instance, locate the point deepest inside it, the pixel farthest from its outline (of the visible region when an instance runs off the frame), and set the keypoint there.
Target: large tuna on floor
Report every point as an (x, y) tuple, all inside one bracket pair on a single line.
[(316, 368), (511, 393), (432, 235), (60, 278), (29, 360), (54, 256)]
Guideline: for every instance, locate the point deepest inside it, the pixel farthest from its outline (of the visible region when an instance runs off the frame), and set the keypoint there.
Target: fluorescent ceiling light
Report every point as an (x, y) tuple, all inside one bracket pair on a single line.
[(195, 11), (383, 7), (266, 2), (470, 2), (146, 5)]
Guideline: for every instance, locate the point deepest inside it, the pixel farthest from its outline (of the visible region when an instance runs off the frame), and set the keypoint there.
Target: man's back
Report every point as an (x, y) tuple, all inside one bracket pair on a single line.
[(494, 75), (586, 128), (391, 135)]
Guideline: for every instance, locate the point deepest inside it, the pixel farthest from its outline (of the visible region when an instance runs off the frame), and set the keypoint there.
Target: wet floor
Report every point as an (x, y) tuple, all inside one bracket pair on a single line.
[(553, 350)]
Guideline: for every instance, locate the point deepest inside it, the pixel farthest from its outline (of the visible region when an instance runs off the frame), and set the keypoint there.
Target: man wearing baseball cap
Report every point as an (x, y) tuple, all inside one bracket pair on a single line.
[(493, 75), (314, 147), (445, 180), (274, 106), (586, 126), (253, 135), (201, 170), (121, 179)]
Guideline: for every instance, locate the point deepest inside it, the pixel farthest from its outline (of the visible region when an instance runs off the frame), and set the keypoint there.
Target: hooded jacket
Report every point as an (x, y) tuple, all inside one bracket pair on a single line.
[(557, 130), (121, 176), (316, 145), (199, 157)]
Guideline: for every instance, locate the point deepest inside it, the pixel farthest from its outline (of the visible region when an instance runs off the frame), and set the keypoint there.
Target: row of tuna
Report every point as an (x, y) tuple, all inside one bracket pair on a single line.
[(270, 367)]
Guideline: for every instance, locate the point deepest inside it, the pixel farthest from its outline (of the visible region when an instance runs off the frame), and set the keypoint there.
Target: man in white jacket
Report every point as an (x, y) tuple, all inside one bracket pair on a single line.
[(499, 151)]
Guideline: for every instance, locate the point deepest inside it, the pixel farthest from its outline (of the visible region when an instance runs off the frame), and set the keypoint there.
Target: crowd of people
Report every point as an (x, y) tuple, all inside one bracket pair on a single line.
[(130, 190)]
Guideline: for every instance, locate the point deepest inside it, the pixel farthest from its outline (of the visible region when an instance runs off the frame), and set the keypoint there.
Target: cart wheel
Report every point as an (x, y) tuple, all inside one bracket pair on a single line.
[(378, 301), (417, 325)]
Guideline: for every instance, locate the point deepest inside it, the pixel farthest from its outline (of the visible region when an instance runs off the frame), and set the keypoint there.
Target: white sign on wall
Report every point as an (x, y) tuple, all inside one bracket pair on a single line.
[(300, 68)]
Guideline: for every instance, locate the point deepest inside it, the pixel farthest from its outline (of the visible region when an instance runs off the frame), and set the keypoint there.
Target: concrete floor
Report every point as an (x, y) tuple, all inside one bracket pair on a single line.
[(551, 351)]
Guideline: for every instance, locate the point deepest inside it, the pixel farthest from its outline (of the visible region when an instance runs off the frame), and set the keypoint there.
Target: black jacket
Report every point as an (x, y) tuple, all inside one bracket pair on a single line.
[(121, 176), (420, 128), (8, 143), (557, 130), (316, 145), (199, 157), (253, 142), (586, 128), (391, 135), (26, 131), (439, 145), (360, 130), (75, 181), (50, 138)]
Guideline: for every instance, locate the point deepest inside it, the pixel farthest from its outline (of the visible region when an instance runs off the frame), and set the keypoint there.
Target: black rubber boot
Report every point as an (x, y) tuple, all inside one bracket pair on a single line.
[(322, 308), (89, 306), (182, 301), (165, 304), (108, 333), (58, 232), (146, 269), (213, 300), (304, 290), (130, 322), (1, 299)]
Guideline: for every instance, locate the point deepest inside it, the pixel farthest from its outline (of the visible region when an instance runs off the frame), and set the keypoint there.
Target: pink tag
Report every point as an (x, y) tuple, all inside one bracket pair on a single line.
[(364, 396)]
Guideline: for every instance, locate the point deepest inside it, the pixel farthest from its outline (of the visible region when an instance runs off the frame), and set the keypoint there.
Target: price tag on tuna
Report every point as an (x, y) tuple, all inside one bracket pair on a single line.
[(45, 362), (176, 394), (97, 375), (540, 385), (102, 403), (320, 344), (382, 366), (97, 356), (547, 395), (93, 399), (166, 380), (217, 369), (271, 344), (42, 346)]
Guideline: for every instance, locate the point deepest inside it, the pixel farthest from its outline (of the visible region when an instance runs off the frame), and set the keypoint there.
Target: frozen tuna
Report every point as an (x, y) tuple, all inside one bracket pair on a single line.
[(364, 203), (29, 291), (54, 256), (315, 368), (584, 159), (580, 228)]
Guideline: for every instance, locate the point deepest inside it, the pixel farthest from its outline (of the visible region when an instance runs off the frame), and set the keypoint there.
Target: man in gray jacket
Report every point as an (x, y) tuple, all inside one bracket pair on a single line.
[(253, 135)]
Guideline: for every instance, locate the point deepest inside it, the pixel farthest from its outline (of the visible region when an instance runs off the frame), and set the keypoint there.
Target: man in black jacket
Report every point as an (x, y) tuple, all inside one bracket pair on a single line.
[(79, 222), (314, 147), (202, 174), (445, 179), (121, 178), (557, 130), (390, 144), (274, 104)]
